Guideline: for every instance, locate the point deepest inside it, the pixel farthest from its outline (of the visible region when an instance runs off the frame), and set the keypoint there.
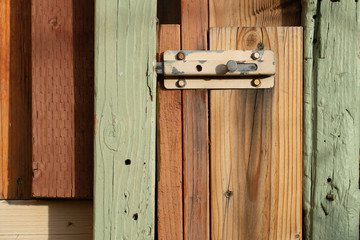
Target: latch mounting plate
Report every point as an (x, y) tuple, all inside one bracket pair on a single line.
[(233, 69)]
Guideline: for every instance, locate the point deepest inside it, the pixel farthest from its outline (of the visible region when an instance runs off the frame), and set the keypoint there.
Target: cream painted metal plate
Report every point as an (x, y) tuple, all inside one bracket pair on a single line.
[(218, 69)]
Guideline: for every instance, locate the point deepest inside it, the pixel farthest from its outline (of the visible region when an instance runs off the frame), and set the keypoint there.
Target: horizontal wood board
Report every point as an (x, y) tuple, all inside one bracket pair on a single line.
[(44, 219)]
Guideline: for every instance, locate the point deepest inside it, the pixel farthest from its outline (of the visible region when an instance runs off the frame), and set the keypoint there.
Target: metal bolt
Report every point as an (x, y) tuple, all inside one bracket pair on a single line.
[(231, 66), (256, 82), (181, 83), (180, 56), (228, 194), (255, 55)]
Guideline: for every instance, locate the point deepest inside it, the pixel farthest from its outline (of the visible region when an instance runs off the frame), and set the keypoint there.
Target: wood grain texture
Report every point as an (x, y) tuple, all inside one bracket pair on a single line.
[(194, 27), (256, 143), (46, 219), (125, 102), (62, 98), (169, 153), (331, 149), (169, 12), (15, 107), (252, 13)]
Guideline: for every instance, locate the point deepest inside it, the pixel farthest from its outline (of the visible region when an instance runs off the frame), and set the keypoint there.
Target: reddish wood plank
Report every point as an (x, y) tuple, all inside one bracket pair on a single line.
[(15, 118), (194, 26), (169, 160), (62, 97)]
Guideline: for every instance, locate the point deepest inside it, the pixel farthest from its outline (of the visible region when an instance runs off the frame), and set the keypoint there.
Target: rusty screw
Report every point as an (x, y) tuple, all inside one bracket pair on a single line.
[(180, 56), (255, 55), (181, 83), (256, 82)]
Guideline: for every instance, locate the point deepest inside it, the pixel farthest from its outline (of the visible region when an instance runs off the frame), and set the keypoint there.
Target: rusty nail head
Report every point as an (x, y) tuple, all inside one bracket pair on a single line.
[(256, 82), (331, 197), (255, 55), (180, 56), (181, 83)]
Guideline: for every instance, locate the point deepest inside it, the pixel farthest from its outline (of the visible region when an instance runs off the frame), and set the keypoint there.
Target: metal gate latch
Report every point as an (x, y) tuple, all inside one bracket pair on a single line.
[(218, 69)]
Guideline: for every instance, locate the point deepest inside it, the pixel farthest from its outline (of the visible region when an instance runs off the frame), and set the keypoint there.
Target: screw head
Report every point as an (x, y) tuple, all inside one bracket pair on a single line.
[(231, 66), (255, 55), (256, 82), (180, 55), (181, 83)]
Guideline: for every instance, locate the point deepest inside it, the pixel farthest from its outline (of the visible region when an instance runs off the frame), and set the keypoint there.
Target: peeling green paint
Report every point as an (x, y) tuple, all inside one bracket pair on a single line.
[(331, 199), (125, 100)]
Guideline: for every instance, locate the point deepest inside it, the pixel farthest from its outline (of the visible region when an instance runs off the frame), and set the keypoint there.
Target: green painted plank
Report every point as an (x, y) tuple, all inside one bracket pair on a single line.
[(125, 85), (331, 124)]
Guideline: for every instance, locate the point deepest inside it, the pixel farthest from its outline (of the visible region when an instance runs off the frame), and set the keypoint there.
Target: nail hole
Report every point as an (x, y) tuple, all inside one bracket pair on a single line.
[(314, 17), (144, 163), (199, 68), (19, 181), (125, 211), (125, 195), (315, 40), (70, 224), (135, 216), (329, 180), (127, 162)]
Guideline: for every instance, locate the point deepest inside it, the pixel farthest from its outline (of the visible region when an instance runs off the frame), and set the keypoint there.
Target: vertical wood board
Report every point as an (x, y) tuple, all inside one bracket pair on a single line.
[(256, 143), (125, 101), (194, 27), (169, 149), (252, 13), (331, 149), (15, 107), (62, 98)]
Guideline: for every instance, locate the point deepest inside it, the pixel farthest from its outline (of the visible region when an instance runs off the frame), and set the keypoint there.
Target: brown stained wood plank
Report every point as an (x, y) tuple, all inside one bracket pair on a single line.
[(15, 118), (169, 144), (256, 143), (194, 26), (62, 97), (251, 13), (169, 12)]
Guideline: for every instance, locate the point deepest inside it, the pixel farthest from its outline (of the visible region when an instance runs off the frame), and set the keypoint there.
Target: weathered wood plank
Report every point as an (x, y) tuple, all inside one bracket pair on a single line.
[(28, 219), (194, 26), (47, 237), (251, 13), (15, 116), (169, 145), (125, 97), (256, 139), (62, 97), (331, 149)]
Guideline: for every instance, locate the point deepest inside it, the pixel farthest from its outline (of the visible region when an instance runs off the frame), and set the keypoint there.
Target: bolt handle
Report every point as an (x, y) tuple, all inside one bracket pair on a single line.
[(232, 66)]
